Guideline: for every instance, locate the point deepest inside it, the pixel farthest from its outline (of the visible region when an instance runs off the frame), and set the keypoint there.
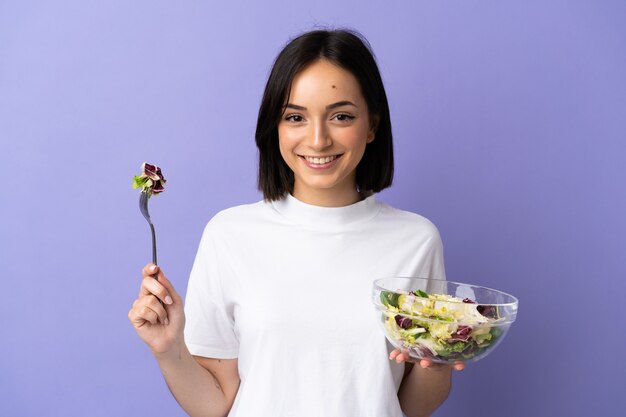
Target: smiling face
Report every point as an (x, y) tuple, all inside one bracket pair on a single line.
[(322, 134)]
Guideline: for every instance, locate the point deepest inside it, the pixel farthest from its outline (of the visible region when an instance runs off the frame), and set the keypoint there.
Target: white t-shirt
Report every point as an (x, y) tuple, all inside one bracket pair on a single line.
[(286, 287)]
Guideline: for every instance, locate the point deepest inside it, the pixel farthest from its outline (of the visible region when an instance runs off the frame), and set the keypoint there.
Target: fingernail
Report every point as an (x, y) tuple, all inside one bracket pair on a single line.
[(153, 268), (168, 300)]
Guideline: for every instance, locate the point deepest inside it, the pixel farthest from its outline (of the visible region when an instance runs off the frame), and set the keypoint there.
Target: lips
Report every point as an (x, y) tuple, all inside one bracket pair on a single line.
[(320, 160)]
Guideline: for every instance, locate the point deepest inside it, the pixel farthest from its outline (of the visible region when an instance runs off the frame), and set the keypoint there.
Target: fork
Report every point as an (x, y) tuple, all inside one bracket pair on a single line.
[(143, 206)]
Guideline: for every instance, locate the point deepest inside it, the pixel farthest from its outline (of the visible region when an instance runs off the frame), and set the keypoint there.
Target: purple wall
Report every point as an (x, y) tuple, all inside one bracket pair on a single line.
[(510, 123)]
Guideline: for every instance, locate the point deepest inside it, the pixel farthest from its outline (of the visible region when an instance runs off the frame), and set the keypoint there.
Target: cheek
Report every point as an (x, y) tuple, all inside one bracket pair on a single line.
[(355, 139), (286, 145), (286, 138)]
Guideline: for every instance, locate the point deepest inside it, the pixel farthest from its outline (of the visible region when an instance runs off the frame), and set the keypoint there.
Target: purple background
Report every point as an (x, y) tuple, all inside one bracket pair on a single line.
[(509, 121)]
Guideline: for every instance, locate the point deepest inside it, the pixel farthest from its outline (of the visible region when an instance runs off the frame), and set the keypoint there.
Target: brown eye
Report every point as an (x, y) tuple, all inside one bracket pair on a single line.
[(342, 117), (294, 118)]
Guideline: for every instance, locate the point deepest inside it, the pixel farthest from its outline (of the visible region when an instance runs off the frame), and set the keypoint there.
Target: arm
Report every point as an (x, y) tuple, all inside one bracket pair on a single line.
[(202, 386), (425, 387), (423, 390)]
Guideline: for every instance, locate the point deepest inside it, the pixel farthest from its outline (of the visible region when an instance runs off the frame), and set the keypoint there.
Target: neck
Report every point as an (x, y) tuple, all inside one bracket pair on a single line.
[(328, 198)]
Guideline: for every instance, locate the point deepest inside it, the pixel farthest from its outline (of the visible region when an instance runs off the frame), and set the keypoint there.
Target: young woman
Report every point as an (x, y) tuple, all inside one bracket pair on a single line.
[(278, 318)]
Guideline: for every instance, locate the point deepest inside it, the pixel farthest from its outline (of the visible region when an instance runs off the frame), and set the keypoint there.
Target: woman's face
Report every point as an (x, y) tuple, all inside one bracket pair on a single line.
[(322, 134)]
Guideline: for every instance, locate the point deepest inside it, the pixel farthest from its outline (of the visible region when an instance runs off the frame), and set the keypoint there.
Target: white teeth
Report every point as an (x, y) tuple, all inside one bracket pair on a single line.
[(320, 160)]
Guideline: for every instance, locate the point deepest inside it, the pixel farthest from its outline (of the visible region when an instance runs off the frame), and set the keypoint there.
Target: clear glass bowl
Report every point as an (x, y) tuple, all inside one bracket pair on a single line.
[(443, 321)]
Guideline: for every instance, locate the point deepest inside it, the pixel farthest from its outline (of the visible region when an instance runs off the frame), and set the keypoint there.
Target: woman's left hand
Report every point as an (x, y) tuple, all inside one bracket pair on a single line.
[(403, 356)]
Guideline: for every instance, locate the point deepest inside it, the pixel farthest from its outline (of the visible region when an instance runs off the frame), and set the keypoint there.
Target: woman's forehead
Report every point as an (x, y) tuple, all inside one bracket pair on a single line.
[(324, 81)]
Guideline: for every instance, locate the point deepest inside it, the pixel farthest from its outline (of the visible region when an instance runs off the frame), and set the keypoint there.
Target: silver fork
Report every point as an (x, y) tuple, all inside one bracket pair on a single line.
[(143, 206)]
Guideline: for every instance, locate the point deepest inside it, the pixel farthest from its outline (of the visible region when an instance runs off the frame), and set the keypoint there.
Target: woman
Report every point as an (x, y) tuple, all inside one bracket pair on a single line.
[(278, 315)]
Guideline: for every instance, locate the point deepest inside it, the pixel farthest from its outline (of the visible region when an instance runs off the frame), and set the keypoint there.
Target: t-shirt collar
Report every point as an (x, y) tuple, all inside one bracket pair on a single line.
[(322, 217)]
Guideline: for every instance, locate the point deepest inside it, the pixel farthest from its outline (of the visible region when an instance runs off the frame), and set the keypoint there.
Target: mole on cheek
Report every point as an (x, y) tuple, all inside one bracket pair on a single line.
[(334, 86)]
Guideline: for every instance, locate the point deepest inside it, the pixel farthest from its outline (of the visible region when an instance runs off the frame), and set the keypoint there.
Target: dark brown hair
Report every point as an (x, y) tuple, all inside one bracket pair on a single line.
[(350, 51)]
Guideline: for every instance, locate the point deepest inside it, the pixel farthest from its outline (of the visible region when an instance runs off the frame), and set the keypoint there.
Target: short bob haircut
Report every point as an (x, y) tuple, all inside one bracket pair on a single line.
[(350, 51)]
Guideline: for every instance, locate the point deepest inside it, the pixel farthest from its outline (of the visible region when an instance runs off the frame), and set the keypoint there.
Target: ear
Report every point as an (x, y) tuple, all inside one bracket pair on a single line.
[(374, 122)]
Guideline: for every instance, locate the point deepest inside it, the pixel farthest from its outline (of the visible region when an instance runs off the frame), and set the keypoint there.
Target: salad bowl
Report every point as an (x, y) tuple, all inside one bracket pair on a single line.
[(444, 321)]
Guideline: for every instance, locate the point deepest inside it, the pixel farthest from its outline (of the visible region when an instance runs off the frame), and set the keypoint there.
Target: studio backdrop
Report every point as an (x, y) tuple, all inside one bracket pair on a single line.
[(509, 122)]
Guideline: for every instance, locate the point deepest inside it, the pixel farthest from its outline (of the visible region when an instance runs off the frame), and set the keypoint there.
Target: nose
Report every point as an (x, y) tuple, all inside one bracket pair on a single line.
[(320, 136)]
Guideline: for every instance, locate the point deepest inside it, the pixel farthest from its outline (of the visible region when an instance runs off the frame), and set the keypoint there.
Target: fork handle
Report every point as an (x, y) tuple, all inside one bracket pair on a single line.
[(154, 252)]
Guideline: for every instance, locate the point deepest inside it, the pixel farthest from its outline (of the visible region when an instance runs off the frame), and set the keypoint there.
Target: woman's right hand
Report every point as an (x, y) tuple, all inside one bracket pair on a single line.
[(160, 326)]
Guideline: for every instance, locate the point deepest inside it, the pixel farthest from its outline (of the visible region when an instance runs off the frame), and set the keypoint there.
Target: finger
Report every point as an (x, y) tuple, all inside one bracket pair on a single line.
[(162, 279), (399, 355), (149, 270), (427, 363), (138, 314), (154, 304), (143, 314), (152, 270), (150, 286), (404, 356)]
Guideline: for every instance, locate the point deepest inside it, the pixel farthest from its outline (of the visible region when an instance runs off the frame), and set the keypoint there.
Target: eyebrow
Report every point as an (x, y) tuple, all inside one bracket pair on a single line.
[(329, 107)]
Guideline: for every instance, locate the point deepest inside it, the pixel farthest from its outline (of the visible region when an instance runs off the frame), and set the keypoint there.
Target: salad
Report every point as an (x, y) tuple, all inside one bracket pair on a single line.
[(151, 181), (440, 327)]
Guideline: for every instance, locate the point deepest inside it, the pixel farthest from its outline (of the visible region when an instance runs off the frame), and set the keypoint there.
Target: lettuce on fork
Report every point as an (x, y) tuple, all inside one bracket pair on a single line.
[(151, 180)]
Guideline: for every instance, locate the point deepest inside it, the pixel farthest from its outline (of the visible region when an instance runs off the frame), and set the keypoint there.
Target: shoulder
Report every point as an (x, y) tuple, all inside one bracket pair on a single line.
[(240, 217), (241, 212), (407, 220), (408, 227)]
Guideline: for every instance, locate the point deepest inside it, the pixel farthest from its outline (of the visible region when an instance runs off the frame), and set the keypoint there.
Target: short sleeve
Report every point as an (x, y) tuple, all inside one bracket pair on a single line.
[(209, 330), (435, 255), (435, 263)]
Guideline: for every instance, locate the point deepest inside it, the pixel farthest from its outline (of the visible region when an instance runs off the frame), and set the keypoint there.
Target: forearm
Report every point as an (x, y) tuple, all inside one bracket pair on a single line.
[(195, 388), (423, 390)]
